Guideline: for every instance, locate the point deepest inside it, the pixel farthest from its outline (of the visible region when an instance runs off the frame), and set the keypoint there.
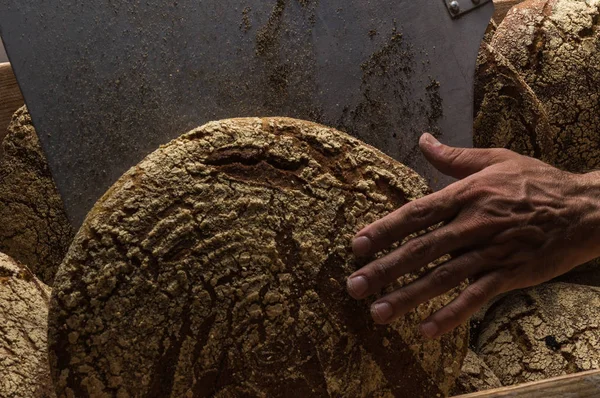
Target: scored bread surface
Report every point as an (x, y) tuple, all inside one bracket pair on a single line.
[(217, 267), (542, 332)]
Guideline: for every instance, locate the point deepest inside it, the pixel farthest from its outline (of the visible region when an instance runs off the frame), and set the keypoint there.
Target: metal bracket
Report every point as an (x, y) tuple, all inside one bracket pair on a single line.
[(458, 8)]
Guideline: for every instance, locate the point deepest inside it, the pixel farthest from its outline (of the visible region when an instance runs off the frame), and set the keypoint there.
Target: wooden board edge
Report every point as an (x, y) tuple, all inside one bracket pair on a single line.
[(584, 384), (11, 98)]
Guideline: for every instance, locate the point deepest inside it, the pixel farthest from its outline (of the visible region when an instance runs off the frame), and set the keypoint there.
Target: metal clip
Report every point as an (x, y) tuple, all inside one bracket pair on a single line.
[(458, 8)]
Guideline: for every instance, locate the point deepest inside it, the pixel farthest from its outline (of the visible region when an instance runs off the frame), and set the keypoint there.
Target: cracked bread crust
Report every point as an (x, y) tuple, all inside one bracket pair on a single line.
[(555, 47), (536, 91), (217, 267), (508, 113), (34, 228), (475, 376), (542, 332), (24, 370)]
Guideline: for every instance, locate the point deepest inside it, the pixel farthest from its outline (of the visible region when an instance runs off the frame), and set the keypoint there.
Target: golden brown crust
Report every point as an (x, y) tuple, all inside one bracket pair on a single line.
[(217, 267), (508, 114), (546, 331), (536, 89), (475, 376), (24, 370), (555, 47), (34, 228)]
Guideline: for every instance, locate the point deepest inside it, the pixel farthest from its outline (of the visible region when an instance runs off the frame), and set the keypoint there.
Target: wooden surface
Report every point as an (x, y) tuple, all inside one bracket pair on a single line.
[(502, 7), (10, 97), (580, 385)]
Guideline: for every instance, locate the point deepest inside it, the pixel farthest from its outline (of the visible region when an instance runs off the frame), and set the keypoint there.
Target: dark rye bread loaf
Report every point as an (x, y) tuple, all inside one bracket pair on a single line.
[(546, 331), (217, 267), (555, 47), (34, 229), (24, 371)]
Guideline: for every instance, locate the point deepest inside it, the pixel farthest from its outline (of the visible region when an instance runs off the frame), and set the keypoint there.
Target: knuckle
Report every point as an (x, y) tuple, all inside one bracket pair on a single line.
[(453, 310), (454, 155), (452, 235), (385, 229), (483, 190), (402, 298), (417, 211), (472, 192), (501, 153), (480, 258), (440, 276), (475, 294), (382, 272), (417, 248)]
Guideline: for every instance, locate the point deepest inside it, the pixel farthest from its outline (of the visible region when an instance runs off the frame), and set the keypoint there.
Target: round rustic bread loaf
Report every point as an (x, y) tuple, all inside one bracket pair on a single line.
[(24, 371), (555, 47), (508, 114), (537, 90), (34, 228), (217, 267), (475, 376), (541, 332)]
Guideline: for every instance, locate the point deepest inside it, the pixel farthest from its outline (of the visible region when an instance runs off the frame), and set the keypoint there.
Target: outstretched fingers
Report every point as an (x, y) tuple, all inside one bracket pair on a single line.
[(414, 216), (464, 306), (436, 282)]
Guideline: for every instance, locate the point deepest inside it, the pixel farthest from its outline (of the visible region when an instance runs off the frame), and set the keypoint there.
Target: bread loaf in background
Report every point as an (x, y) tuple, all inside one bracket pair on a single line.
[(555, 47), (24, 370), (537, 90), (34, 228), (508, 113), (542, 332), (217, 267)]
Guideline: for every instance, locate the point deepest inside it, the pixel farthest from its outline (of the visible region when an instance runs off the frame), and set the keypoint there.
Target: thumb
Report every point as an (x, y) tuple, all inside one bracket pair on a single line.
[(460, 162)]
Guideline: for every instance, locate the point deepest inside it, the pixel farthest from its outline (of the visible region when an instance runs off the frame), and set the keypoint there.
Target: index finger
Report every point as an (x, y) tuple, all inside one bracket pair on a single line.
[(414, 216)]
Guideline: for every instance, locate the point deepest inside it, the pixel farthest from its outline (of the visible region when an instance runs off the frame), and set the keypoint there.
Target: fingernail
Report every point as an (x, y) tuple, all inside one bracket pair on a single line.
[(431, 140), (361, 246), (382, 312), (429, 330), (358, 286)]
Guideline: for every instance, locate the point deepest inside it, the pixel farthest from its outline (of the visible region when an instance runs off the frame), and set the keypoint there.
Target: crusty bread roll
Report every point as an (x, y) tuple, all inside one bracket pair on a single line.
[(217, 267), (34, 228), (546, 331), (24, 371)]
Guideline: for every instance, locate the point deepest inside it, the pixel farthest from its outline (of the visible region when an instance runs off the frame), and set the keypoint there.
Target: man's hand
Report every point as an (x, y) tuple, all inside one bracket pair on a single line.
[(514, 222)]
